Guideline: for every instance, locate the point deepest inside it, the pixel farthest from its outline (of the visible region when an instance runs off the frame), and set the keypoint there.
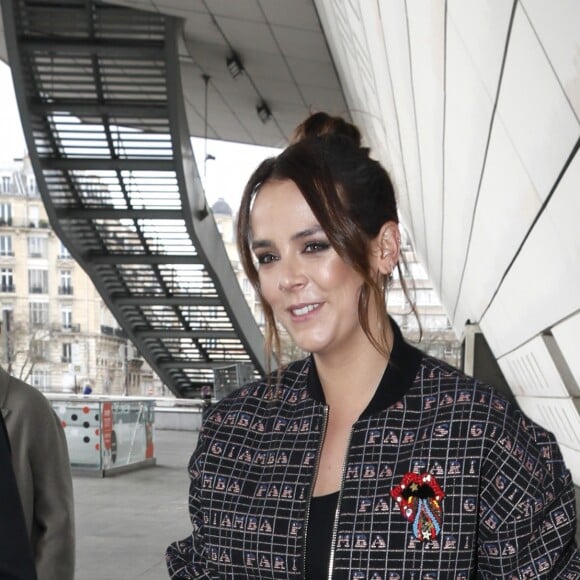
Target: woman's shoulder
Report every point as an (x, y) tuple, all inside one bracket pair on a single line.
[(483, 407), (438, 377), (287, 384)]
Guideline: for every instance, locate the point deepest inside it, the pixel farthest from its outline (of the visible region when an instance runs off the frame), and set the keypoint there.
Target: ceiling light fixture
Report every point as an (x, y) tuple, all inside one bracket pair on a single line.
[(235, 66), (264, 112)]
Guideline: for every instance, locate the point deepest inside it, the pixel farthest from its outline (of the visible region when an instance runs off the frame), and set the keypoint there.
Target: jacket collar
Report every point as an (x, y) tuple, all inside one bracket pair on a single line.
[(397, 379)]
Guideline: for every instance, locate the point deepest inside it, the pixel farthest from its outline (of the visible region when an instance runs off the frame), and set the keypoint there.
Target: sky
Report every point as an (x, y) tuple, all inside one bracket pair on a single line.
[(224, 176)]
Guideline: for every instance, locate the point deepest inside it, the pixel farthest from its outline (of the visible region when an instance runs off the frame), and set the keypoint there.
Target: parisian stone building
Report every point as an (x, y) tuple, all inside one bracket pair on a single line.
[(57, 333)]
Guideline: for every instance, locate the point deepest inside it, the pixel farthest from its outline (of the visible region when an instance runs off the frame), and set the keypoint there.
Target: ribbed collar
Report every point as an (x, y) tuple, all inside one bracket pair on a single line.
[(397, 379)]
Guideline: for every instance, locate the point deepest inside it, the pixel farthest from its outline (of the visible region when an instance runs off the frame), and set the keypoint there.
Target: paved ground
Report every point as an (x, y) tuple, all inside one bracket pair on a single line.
[(125, 522)]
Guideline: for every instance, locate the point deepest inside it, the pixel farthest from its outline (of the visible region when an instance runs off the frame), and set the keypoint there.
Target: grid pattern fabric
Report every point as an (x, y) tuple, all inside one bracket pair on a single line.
[(508, 510)]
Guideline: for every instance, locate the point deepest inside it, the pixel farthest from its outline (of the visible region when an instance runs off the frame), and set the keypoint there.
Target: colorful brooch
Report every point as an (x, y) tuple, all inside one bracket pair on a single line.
[(419, 499)]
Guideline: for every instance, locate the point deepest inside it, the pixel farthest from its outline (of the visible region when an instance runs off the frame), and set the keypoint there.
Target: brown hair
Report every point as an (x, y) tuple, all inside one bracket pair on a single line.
[(351, 196)]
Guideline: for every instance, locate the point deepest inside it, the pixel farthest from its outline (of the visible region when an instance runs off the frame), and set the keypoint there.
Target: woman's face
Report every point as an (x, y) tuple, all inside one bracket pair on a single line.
[(312, 291)]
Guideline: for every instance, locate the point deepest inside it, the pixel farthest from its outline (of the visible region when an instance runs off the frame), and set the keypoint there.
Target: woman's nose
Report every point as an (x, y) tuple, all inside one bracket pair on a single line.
[(291, 277)]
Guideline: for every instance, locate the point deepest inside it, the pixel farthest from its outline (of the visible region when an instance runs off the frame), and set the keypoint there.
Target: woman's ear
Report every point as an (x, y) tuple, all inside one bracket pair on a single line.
[(388, 246)]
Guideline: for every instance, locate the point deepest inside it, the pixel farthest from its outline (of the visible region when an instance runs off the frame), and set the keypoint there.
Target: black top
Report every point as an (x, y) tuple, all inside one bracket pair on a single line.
[(320, 523)]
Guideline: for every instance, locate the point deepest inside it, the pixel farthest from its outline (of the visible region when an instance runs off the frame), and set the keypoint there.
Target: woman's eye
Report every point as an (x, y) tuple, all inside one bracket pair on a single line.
[(316, 247), (264, 259)]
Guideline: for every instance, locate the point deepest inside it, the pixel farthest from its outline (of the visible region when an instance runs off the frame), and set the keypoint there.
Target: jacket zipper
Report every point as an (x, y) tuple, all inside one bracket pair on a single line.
[(311, 490), (337, 512)]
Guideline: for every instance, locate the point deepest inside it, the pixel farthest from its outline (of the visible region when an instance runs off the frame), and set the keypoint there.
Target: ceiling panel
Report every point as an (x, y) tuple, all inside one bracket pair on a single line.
[(284, 13), (476, 37), (247, 35), (531, 371), (266, 66), (306, 44), (556, 24), (532, 103), (279, 93), (543, 285), (309, 72), (566, 334), (469, 108), (240, 9), (396, 41), (202, 31), (164, 5), (507, 206), (426, 32), (483, 27)]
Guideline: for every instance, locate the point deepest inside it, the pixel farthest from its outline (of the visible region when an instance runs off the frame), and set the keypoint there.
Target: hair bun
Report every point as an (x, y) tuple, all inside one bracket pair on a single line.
[(322, 124)]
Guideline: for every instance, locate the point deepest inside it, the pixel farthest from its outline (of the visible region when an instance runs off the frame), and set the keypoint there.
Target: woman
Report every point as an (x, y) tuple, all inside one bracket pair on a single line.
[(368, 459)]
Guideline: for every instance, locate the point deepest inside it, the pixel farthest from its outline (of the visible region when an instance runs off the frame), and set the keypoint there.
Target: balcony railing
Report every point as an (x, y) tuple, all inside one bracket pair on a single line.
[(7, 288), (6, 254), (71, 328), (37, 290), (65, 290), (110, 331)]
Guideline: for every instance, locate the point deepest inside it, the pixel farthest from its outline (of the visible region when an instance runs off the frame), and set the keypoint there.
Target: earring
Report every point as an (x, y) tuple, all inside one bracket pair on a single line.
[(385, 253)]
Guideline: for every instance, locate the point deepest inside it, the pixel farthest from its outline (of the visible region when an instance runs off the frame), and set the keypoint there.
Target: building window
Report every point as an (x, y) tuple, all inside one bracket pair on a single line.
[(63, 253), (38, 281), (31, 186), (33, 216), (40, 379), (6, 246), (6, 184), (39, 349), (5, 214), (66, 317), (38, 314), (36, 247), (66, 352), (6, 280), (65, 284)]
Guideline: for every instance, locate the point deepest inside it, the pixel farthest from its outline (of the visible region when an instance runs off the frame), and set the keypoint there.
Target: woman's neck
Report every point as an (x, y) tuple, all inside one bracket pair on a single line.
[(350, 380)]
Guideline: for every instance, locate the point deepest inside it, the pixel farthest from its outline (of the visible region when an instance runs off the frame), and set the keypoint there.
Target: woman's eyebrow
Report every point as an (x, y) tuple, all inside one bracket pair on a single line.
[(307, 232), (257, 244)]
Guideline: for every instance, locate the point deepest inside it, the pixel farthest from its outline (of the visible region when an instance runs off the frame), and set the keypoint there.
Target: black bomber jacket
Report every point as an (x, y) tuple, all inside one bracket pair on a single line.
[(443, 479)]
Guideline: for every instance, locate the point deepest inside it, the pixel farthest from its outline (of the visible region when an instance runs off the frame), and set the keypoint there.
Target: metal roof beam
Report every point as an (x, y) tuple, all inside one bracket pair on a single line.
[(112, 213), (94, 164), (115, 49), (141, 109), (168, 365), (167, 333), (148, 300), (143, 259)]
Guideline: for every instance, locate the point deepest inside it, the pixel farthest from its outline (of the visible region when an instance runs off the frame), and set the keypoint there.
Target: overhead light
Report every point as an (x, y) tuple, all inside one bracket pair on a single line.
[(264, 112), (235, 67)]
